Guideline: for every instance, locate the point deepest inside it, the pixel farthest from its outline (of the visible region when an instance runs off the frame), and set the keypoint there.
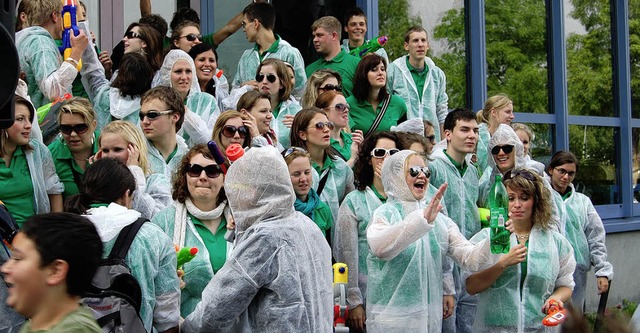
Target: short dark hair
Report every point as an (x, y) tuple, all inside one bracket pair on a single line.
[(458, 114), (184, 14), (170, 97), (362, 169), (201, 48), (134, 76), (355, 11), (67, 237), (177, 31), (415, 28), (560, 158), (180, 187), (362, 85), (263, 12), (157, 22)]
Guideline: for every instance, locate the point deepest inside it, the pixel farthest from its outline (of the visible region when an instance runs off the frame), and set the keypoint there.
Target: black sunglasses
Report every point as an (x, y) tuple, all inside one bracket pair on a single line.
[(320, 125), (522, 173), (337, 87), (382, 153), (270, 77), (79, 129), (229, 131), (212, 171), (192, 37), (415, 170), (132, 34), (507, 149), (153, 114)]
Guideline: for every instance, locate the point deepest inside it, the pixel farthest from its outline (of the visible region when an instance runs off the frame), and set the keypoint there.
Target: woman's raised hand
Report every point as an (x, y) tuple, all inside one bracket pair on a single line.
[(434, 207)]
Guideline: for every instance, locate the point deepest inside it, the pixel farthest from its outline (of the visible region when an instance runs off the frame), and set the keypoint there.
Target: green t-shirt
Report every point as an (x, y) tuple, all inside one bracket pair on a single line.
[(362, 115), (345, 151), (78, 321), (17, 188), (419, 77), (215, 243), (344, 63), (66, 167), (322, 217)]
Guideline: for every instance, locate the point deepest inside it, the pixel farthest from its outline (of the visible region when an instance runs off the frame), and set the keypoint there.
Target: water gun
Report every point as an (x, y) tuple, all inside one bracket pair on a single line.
[(340, 310), (8, 226), (217, 155), (372, 45), (70, 23), (219, 73), (185, 255), (555, 315)]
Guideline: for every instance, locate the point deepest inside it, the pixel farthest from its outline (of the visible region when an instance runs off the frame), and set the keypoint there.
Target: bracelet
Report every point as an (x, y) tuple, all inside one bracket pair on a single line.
[(74, 61)]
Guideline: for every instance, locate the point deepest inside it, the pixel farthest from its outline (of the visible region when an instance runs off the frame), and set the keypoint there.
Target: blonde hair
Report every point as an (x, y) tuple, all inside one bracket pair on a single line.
[(523, 127), (41, 11), (329, 23), (316, 79), (80, 106), (133, 135), (494, 102)]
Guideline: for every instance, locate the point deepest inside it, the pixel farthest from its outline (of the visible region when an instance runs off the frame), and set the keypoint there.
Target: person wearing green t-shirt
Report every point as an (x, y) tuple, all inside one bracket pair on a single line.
[(345, 144), (370, 97), (326, 40)]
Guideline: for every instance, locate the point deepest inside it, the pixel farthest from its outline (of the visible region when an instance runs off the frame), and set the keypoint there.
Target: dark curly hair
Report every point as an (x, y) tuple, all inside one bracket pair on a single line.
[(180, 188), (363, 171)]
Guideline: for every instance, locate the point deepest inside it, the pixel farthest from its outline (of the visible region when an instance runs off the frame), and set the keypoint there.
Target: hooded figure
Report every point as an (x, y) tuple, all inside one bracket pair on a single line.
[(278, 278), (405, 264)]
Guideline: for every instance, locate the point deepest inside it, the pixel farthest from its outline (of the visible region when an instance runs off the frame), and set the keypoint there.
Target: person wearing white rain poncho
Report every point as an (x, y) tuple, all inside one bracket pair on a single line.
[(278, 277), (498, 109), (508, 153), (408, 244), (179, 72), (515, 292)]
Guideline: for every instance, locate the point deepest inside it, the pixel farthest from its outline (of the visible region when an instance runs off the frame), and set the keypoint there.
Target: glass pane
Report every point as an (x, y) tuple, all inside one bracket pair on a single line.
[(596, 149), (229, 53), (589, 71), (517, 53), (541, 147), (448, 50), (635, 160), (634, 47)]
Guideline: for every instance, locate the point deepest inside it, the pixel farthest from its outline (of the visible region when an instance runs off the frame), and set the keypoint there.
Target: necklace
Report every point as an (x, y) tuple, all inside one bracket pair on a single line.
[(522, 237)]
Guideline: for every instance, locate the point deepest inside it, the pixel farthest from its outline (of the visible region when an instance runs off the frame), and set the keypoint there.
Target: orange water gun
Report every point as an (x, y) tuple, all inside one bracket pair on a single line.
[(555, 315)]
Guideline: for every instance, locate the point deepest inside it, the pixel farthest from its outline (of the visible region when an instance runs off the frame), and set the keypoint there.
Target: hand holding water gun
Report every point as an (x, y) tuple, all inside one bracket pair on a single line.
[(72, 45), (369, 47), (556, 314)]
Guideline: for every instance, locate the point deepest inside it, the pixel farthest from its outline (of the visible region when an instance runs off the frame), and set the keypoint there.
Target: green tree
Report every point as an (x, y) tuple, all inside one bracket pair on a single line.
[(394, 22)]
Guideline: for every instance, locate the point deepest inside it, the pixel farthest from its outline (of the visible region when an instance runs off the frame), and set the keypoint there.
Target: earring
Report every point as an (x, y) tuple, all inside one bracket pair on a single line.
[(93, 138)]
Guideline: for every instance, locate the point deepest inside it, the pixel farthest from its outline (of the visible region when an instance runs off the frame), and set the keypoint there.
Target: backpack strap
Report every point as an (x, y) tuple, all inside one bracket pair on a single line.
[(125, 238)]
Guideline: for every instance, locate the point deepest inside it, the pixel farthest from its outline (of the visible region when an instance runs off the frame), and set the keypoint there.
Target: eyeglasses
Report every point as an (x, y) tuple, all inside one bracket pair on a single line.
[(382, 153), (132, 34), (192, 37), (270, 77), (432, 138), (522, 173), (79, 129), (212, 171), (341, 107), (320, 125), (415, 170), (561, 171), (337, 88), (154, 114), (229, 131), (291, 150), (507, 149)]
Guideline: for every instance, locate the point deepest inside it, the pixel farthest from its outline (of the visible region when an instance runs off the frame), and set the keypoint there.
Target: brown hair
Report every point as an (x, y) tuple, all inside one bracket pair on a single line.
[(362, 85), (177, 31), (168, 96), (329, 23), (325, 99), (3, 131), (220, 122), (180, 187), (301, 122), (535, 189), (249, 99), (283, 76)]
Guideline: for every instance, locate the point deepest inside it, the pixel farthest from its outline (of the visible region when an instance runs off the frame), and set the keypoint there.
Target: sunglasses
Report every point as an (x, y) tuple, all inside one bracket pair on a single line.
[(561, 171), (192, 37), (291, 150), (212, 171), (270, 77), (229, 131), (507, 149), (132, 34), (415, 170), (522, 173), (320, 125), (154, 114), (79, 129), (382, 153), (337, 88), (340, 107)]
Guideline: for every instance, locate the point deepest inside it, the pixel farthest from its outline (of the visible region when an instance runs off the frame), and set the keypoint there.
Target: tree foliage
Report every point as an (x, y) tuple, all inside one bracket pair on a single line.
[(395, 20)]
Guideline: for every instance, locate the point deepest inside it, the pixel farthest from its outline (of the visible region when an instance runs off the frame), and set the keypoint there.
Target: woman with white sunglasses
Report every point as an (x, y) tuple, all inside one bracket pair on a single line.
[(345, 144)]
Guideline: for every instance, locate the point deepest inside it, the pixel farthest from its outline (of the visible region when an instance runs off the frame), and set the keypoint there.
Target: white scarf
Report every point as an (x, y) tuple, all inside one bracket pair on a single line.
[(182, 211)]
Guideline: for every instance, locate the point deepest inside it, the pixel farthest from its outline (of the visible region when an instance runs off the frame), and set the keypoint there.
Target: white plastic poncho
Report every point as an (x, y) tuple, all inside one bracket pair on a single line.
[(550, 265), (434, 103), (194, 129), (585, 232), (482, 147), (288, 108), (405, 263), (278, 278), (152, 194), (152, 260), (157, 162), (44, 178), (413, 125), (339, 183)]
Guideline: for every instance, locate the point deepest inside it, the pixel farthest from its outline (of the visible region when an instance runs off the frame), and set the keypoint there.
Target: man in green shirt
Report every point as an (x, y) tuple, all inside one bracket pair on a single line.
[(326, 40)]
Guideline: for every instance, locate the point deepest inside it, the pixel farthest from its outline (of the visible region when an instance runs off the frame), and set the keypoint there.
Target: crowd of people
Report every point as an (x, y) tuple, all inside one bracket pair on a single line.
[(355, 159)]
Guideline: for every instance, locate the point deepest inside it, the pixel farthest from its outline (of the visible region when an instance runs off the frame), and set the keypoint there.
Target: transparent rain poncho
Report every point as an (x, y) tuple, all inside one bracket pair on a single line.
[(194, 129), (152, 194), (278, 278), (405, 263), (585, 232), (339, 183), (413, 125), (505, 307), (157, 163), (44, 178), (287, 108), (433, 106)]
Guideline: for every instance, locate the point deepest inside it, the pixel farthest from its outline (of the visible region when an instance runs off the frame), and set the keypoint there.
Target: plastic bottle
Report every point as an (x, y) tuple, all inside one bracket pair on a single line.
[(499, 207), (372, 45)]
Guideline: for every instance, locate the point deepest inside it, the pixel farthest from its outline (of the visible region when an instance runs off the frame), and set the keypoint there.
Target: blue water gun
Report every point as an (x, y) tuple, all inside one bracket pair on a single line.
[(70, 23)]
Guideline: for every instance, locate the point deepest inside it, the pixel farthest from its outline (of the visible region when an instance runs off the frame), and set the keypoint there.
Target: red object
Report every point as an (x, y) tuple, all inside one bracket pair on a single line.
[(555, 315), (337, 319), (234, 152), (219, 73)]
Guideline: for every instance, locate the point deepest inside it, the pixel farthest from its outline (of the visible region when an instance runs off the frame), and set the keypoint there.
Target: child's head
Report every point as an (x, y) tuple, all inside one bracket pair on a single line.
[(53, 253)]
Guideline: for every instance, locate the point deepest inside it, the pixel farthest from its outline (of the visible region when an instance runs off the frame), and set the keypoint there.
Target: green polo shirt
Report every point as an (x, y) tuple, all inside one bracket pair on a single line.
[(419, 77), (344, 63), (208, 38), (328, 164), (272, 49), (66, 166), (345, 151), (17, 188), (215, 243), (322, 217), (362, 115), (460, 167)]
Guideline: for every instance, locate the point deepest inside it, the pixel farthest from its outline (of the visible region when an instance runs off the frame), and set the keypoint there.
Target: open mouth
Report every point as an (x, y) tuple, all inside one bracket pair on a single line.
[(420, 185)]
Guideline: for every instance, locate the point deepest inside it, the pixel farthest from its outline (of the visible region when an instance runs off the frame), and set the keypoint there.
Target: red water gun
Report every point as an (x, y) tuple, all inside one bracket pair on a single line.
[(555, 315)]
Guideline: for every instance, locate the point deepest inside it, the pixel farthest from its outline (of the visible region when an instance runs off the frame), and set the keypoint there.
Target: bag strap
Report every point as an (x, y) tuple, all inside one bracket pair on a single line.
[(323, 180), (376, 122), (125, 238)]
